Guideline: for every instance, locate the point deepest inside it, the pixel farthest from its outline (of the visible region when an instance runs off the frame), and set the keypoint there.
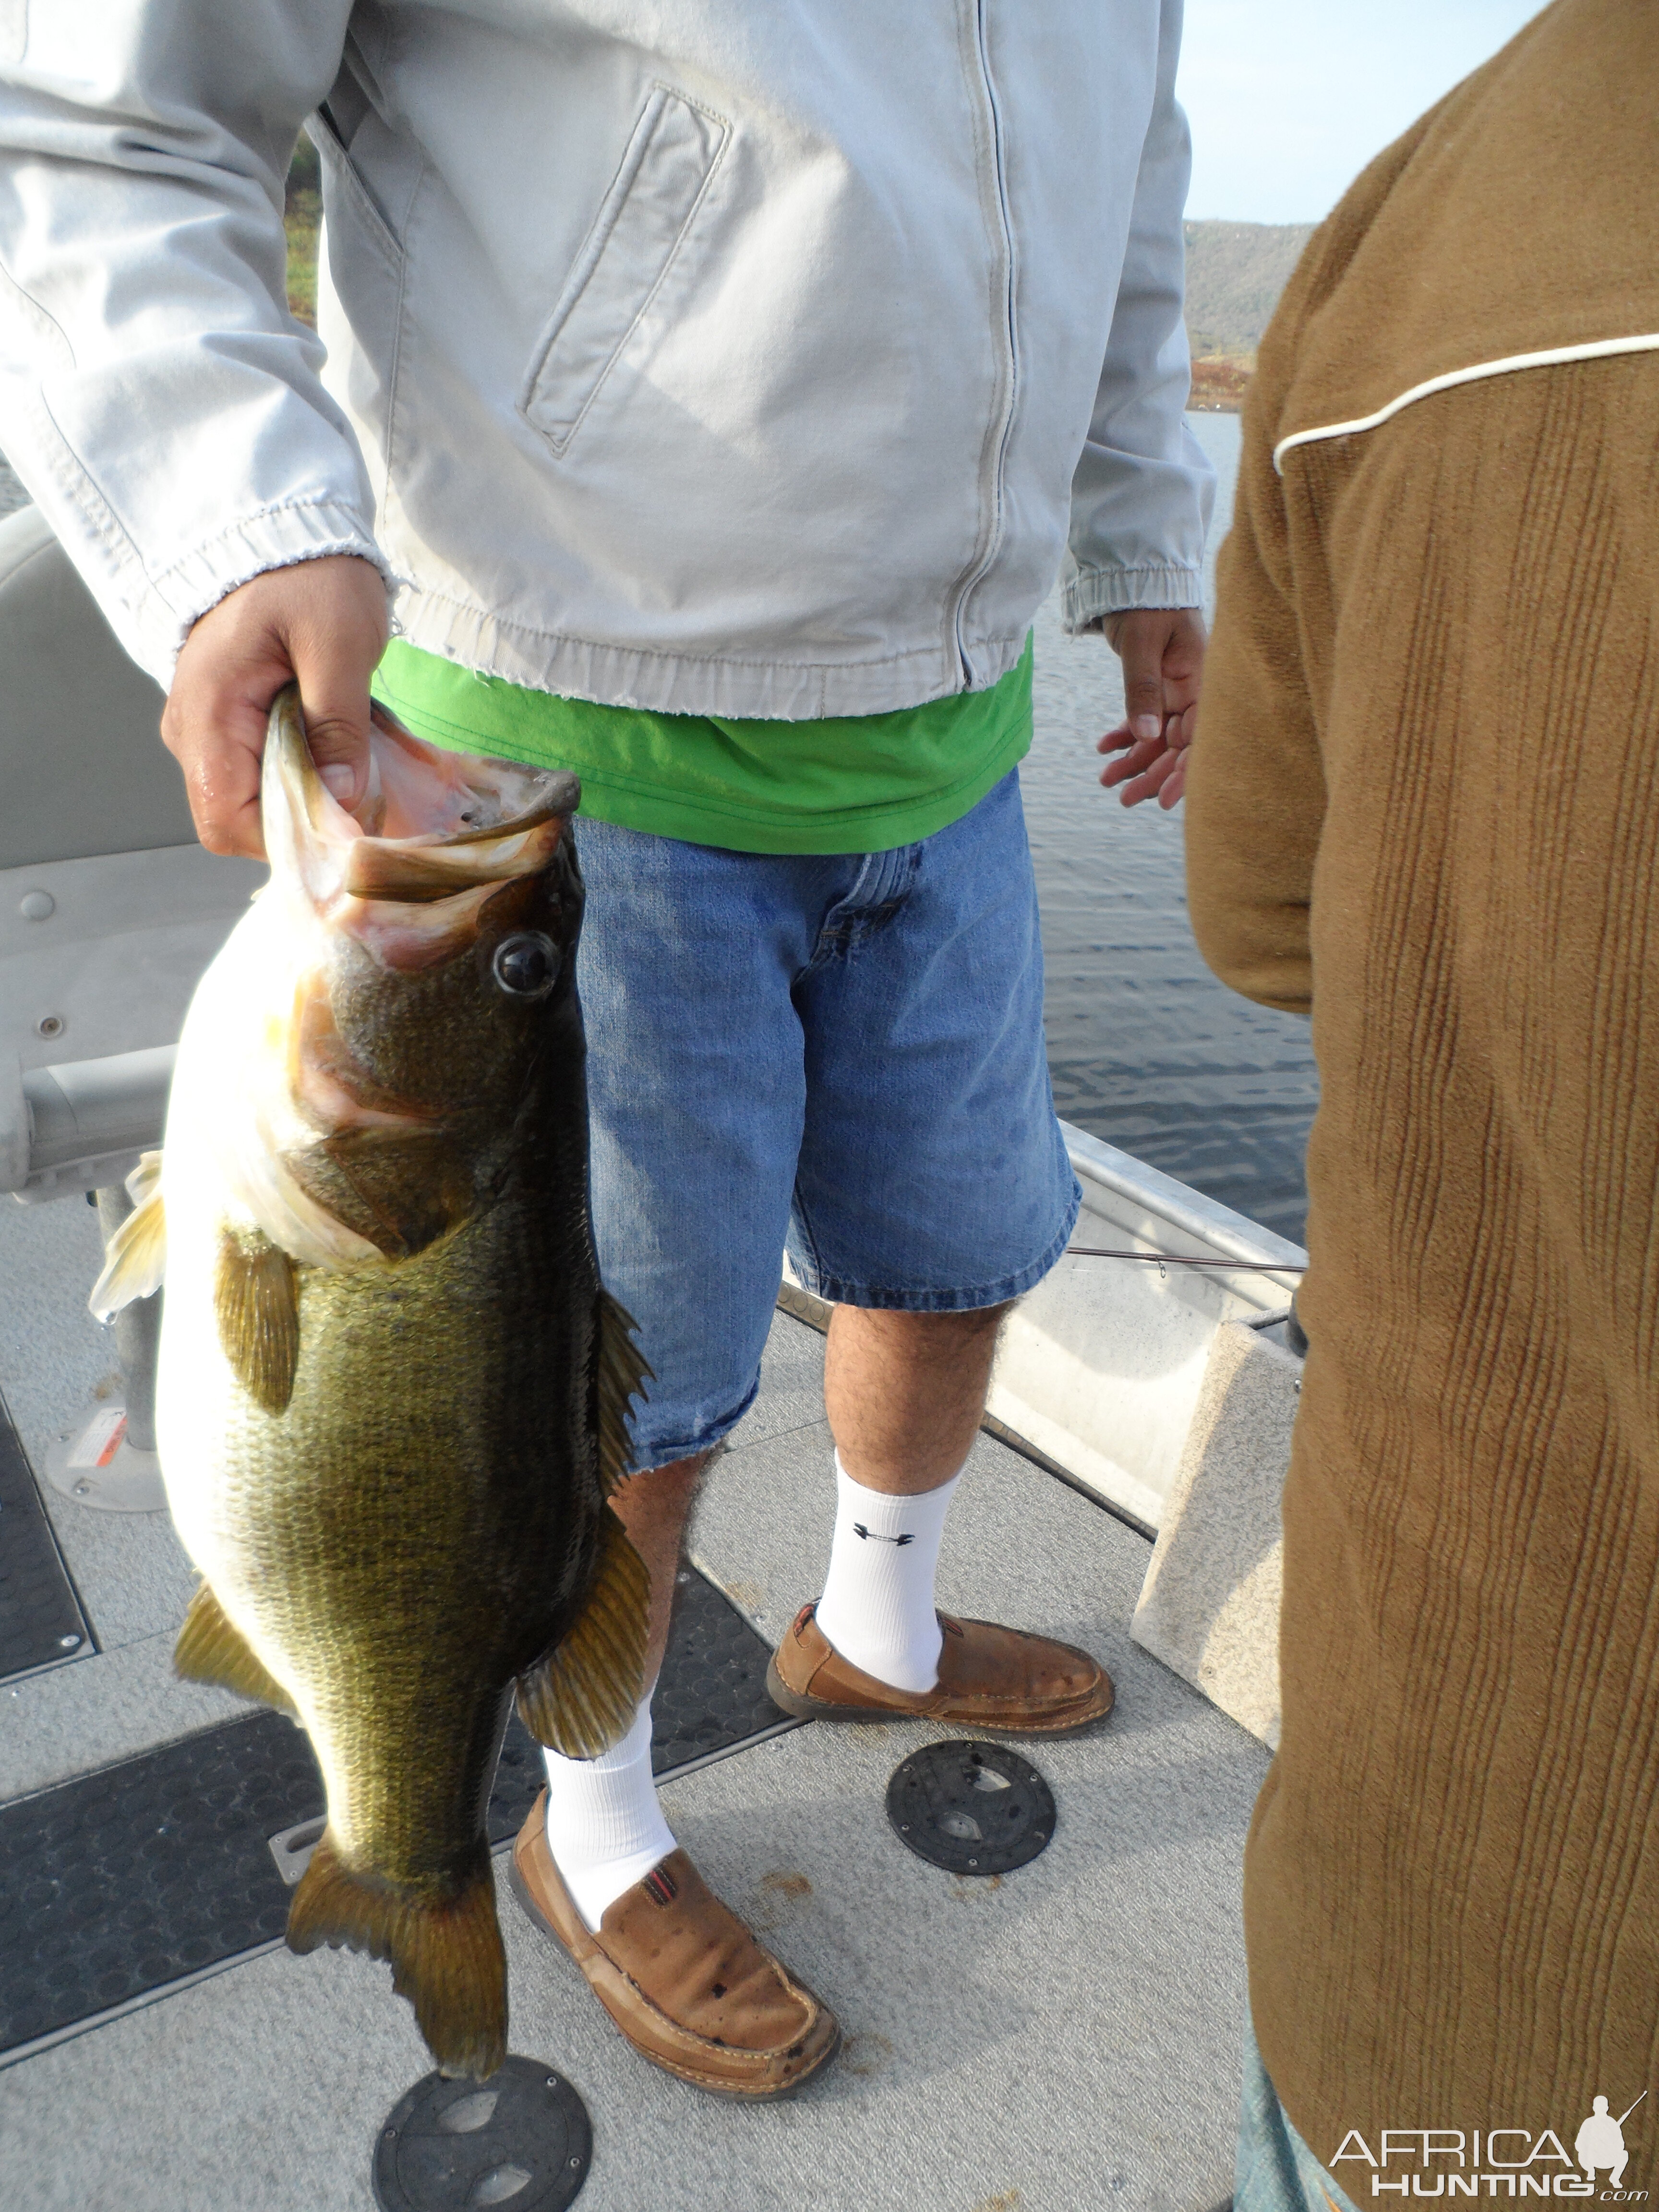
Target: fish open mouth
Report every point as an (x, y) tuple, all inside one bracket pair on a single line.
[(346, 1091), (436, 834)]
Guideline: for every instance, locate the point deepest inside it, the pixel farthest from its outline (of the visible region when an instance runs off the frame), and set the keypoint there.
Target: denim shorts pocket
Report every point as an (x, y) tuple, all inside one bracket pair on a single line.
[(665, 174)]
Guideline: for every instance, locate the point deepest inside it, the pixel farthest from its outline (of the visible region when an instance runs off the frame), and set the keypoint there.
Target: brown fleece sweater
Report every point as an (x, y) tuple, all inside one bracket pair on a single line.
[(1424, 803)]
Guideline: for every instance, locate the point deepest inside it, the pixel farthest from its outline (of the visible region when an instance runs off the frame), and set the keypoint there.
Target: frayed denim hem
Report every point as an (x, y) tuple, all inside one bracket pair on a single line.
[(646, 1454), (839, 1290)]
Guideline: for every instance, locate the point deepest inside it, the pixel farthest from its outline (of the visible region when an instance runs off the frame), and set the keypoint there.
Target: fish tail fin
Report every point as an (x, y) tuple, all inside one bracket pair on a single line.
[(581, 1697), (445, 1950)]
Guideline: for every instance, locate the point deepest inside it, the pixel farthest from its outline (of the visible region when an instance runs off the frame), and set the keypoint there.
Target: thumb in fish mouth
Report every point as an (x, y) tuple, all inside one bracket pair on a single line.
[(339, 747), (343, 782), (333, 650)]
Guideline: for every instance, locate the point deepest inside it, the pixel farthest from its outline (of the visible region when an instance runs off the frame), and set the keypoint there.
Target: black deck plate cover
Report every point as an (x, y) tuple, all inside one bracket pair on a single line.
[(970, 1807), (712, 1693), (144, 1873), (122, 1881), (41, 1618), (522, 2139)]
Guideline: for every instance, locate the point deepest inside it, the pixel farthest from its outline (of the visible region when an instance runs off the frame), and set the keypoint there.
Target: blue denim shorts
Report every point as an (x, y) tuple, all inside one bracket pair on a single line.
[(1275, 2171), (844, 1053)]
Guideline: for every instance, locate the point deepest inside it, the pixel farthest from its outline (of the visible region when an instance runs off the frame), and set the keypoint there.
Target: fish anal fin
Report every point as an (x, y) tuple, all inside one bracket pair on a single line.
[(580, 1698), (622, 1377), (135, 1259), (256, 1300), (444, 1944), (212, 1649)]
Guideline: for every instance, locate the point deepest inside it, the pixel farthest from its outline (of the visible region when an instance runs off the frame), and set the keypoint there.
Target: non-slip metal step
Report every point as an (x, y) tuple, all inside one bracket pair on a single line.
[(41, 1623), (120, 1883)]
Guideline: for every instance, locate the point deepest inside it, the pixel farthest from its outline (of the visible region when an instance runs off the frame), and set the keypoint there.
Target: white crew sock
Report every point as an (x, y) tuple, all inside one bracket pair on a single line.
[(878, 1603), (604, 1827)]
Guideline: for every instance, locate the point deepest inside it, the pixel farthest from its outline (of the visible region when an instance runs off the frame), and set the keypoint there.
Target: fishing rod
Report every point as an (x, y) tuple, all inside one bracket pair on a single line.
[(1189, 1260)]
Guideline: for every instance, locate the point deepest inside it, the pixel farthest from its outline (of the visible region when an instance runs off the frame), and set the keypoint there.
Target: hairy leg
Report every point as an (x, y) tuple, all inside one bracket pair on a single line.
[(653, 1508), (905, 1391)]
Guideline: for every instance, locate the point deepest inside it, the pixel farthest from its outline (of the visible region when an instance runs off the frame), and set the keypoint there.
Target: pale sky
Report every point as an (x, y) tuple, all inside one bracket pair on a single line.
[(1289, 99)]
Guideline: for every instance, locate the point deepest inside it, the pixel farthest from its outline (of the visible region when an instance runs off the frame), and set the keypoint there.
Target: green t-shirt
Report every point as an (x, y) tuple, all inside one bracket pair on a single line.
[(847, 783)]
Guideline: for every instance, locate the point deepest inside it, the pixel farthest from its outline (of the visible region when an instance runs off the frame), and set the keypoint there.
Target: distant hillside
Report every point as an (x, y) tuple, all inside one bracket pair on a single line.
[(1235, 274)]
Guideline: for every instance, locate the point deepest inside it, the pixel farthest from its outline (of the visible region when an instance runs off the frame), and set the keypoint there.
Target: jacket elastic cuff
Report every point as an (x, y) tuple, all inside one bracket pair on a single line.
[(1092, 592), (277, 538)]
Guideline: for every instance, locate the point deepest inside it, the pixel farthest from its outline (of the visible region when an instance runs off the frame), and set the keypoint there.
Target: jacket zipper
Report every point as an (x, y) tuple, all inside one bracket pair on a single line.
[(993, 493)]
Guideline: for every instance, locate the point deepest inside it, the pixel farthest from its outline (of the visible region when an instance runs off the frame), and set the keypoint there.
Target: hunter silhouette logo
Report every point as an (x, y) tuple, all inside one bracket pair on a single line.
[(1495, 2161), (875, 1536), (1601, 2141)]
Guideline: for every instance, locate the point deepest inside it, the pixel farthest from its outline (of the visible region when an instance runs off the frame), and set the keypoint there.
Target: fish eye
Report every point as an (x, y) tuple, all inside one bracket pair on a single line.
[(526, 965)]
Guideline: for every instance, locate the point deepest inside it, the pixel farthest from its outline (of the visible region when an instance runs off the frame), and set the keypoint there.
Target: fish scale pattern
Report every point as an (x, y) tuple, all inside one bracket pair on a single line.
[(41, 1618), (121, 1881)]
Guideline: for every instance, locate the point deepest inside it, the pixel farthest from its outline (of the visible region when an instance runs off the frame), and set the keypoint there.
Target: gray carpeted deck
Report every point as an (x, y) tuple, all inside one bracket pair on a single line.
[(1063, 2040)]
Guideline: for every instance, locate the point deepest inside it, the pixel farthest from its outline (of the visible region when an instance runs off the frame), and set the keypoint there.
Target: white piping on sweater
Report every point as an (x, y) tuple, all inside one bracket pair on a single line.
[(1594, 350)]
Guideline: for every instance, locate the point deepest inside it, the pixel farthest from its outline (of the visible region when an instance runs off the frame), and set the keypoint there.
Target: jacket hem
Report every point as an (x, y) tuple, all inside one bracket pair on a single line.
[(1093, 593), (687, 683)]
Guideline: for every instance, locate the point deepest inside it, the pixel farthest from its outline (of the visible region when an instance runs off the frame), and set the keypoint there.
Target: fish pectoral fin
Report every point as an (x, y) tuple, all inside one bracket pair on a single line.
[(444, 1943), (212, 1649), (146, 1178), (256, 1299), (622, 1377), (582, 1696), (135, 1258)]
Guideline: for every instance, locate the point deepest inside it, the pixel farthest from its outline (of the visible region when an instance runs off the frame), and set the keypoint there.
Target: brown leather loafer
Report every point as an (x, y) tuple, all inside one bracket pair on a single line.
[(681, 1975), (988, 1677)]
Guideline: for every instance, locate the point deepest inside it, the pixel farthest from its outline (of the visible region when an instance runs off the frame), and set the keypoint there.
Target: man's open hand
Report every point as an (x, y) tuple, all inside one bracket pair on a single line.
[(321, 622), (1161, 649)]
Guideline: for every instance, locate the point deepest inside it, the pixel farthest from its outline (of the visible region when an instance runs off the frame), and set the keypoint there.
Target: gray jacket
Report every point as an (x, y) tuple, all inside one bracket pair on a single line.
[(722, 356)]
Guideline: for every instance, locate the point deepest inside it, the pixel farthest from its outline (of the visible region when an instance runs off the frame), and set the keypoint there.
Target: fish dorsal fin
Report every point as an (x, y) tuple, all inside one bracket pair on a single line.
[(136, 1257), (581, 1698), (622, 1377), (256, 1299), (212, 1649), (443, 1940)]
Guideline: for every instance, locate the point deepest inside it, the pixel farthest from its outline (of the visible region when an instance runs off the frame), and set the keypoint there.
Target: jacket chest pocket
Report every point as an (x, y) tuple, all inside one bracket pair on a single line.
[(664, 174)]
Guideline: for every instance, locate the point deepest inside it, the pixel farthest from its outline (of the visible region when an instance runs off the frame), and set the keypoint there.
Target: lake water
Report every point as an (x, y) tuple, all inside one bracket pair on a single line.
[(1146, 1048)]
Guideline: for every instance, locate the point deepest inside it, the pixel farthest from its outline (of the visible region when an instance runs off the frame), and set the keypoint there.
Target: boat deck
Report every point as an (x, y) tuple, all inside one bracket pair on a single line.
[(1060, 2038)]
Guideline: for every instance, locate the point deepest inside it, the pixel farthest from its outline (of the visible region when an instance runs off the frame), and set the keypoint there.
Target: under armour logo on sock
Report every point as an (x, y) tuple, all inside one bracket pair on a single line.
[(875, 1536)]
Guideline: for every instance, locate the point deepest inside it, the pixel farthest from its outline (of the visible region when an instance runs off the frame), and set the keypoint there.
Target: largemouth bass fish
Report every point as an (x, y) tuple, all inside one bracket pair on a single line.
[(393, 1395)]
